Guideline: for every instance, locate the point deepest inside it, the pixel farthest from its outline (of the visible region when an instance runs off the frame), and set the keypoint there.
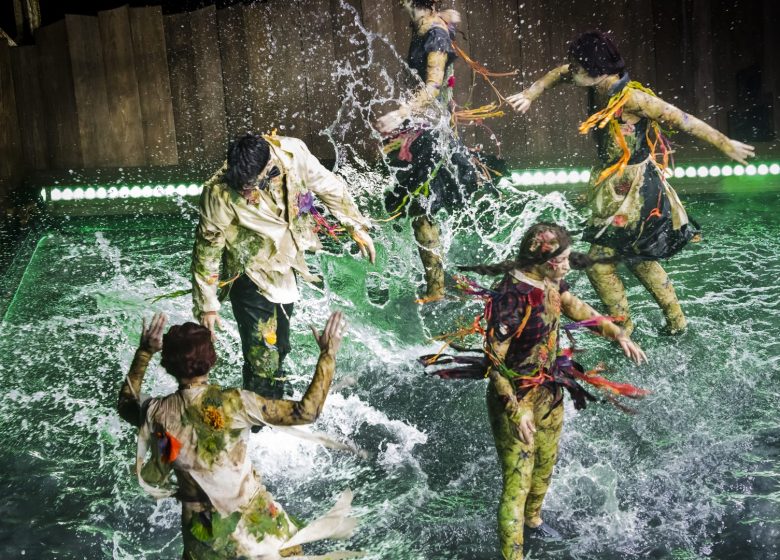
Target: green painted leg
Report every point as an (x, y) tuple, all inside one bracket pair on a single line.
[(517, 463), (609, 287), (426, 233), (548, 434), (655, 280)]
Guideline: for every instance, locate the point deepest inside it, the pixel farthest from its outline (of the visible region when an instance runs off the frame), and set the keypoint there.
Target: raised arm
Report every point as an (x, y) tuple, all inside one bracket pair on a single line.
[(130, 406), (642, 104), (578, 310), (307, 410), (520, 102)]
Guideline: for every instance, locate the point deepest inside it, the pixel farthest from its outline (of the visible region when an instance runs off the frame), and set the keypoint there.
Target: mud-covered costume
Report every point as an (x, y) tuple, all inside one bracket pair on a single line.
[(432, 168), (528, 372), (260, 246), (199, 434)]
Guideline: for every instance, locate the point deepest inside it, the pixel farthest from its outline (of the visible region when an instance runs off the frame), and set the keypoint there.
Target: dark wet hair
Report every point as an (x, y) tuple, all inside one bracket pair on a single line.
[(425, 4), (188, 351), (531, 252), (246, 157), (597, 54)]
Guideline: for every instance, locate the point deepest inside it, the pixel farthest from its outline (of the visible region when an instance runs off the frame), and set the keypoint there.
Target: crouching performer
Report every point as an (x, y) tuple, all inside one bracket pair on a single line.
[(199, 434), (257, 219), (635, 213), (528, 371)]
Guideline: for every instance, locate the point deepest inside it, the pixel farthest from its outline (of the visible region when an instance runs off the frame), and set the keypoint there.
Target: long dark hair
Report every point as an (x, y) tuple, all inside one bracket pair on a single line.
[(543, 241), (247, 156), (596, 52)]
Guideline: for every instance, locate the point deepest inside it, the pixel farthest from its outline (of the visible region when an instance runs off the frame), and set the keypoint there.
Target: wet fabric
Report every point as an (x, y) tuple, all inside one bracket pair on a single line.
[(199, 434), (437, 39), (264, 328), (635, 212), (439, 175)]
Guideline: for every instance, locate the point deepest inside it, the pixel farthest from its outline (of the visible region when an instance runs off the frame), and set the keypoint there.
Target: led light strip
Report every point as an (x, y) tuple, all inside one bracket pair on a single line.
[(527, 177), (96, 193), (573, 177)]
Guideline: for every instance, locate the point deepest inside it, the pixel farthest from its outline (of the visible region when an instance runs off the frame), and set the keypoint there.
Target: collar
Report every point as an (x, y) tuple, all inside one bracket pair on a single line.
[(619, 85), (185, 386), (517, 275)]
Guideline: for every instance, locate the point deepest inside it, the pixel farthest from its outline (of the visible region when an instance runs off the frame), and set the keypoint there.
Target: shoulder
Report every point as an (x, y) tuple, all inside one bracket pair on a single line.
[(291, 144), (438, 39)]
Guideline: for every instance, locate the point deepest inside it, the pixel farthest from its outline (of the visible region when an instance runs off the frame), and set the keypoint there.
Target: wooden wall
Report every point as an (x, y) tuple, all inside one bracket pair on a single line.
[(132, 87), (11, 158)]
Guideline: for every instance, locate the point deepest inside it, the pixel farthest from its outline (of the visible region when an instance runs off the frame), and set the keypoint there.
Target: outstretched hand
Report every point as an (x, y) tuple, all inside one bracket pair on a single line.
[(366, 244), (632, 350), (519, 102), (151, 336), (330, 339), (739, 151)]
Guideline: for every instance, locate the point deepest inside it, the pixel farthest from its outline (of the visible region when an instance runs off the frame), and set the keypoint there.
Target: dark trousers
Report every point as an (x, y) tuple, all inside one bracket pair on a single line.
[(264, 328)]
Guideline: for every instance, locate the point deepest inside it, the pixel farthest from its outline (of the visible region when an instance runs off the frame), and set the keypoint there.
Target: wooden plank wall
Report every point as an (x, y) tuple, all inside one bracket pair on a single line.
[(11, 158), (132, 87)]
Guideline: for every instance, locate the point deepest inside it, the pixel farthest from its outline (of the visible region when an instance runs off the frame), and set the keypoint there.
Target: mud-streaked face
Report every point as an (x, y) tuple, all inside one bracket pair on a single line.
[(580, 76), (557, 268)]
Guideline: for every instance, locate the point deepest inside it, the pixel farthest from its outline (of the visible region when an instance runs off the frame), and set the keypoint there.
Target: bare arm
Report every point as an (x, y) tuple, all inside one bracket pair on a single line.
[(644, 105), (522, 101), (576, 309)]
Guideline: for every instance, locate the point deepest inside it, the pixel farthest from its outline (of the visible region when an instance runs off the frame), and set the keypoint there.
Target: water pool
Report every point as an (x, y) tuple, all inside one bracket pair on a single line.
[(694, 475)]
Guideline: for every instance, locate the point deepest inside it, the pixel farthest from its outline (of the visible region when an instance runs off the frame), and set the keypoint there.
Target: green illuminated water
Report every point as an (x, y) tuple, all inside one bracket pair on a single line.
[(694, 475)]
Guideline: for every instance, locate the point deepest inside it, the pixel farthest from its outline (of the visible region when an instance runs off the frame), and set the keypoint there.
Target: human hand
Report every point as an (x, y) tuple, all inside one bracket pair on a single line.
[(391, 121), (211, 320), (330, 339), (739, 151), (151, 336), (522, 422), (365, 243), (519, 102), (631, 349)]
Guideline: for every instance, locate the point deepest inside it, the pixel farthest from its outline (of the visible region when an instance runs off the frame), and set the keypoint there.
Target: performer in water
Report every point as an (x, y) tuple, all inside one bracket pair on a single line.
[(257, 219), (433, 170), (528, 370), (635, 213), (199, 434)]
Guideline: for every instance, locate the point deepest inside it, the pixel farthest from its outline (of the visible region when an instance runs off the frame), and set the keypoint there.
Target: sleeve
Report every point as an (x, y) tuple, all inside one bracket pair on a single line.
[(215, 217), (332, 191), (130, 405), (261, 410)]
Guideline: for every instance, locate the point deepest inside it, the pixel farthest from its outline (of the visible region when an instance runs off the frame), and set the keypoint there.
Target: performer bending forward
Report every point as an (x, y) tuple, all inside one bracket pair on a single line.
[(635, 213)]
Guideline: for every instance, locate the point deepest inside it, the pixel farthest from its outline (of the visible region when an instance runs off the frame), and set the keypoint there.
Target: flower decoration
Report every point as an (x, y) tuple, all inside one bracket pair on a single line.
[(213, 417)]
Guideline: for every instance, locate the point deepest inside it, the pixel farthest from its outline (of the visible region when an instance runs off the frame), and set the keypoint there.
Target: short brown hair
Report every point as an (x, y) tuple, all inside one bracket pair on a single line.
[(188, 351)]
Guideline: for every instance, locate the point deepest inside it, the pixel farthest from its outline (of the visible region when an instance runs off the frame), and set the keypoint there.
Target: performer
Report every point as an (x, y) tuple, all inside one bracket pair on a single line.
[(199, 434), (433, 170), (635, 213), (528, 370), (257, 218)]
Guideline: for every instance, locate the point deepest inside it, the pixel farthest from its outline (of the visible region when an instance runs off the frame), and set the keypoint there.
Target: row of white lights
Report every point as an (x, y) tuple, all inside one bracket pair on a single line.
[(148, 191), (564, 177), (525, 178)]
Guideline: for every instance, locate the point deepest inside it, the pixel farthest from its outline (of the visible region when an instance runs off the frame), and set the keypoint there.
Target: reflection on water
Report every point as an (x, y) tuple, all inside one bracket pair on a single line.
[(694, 475)]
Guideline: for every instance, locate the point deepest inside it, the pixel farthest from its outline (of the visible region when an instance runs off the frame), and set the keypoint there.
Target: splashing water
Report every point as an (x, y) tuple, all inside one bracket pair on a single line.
[(694, 475)]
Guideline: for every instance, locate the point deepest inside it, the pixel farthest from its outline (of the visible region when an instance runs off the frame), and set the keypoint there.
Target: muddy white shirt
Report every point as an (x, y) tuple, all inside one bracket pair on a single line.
[(266, 240)]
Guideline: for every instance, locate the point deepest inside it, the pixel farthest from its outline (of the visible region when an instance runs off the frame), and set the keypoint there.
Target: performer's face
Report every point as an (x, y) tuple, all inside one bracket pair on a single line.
[(251, 191), (555, 269), (580, 76)]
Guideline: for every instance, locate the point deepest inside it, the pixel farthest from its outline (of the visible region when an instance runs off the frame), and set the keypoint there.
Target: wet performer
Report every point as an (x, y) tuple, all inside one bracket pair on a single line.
[(528, 370), (257, 219), (635, 213), (433, 170), (199, 434)]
